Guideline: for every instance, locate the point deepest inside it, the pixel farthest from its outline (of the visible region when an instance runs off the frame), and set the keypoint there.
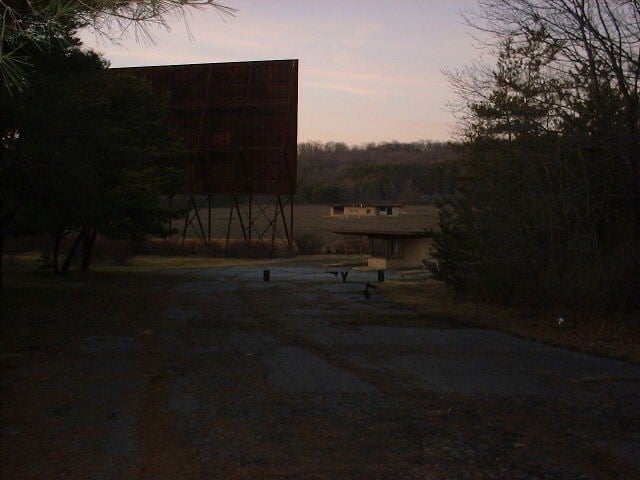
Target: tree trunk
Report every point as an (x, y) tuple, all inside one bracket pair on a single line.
[(57, 239), (88, 242), (72, 252), (1, 253), (634, 153)]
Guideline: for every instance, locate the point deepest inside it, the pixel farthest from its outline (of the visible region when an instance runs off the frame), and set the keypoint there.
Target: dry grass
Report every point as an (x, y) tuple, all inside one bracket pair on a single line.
[(315, 220), (26, 263), (616, 336), (601, 333)]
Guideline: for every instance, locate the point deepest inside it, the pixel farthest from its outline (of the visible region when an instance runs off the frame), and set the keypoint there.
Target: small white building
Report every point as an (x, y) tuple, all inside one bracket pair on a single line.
[(365, 210)]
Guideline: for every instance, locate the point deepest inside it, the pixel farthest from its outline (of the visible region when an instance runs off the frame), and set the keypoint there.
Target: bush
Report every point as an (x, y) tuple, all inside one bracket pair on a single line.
[(178, 247), (309, 243)]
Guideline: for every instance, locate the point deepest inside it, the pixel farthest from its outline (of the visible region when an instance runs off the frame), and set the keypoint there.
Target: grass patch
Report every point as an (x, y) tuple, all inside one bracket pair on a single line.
[(40, 311), (27, 263), (159, 263)]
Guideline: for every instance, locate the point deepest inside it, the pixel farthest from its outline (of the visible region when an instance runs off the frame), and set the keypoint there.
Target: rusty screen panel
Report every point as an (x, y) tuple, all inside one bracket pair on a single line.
[(239, 119)]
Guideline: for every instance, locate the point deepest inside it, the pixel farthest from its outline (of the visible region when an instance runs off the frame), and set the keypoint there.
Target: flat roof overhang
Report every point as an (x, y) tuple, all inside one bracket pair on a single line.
[(362, 205), (385, 234)]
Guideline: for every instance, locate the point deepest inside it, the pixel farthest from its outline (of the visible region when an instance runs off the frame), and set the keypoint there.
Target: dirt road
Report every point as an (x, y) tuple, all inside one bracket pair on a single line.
[(304, 377)]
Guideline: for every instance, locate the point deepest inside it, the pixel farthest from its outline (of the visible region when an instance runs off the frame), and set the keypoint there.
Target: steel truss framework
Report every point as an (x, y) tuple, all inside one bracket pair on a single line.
[(250, 218)]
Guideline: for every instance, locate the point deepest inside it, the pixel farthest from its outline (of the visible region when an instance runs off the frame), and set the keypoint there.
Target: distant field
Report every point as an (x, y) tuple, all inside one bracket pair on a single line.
[(315, 220), (313, 233)]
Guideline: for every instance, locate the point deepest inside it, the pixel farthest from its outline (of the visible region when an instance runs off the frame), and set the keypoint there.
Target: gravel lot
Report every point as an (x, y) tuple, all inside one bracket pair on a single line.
[(303, 377)]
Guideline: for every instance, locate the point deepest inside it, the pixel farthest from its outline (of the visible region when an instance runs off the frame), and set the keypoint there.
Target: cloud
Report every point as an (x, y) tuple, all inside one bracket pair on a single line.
[(368, 71), (373, 84), (347, 88)]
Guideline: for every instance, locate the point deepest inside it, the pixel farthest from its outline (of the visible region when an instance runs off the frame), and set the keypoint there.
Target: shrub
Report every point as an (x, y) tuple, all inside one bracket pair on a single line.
[(309, 243)]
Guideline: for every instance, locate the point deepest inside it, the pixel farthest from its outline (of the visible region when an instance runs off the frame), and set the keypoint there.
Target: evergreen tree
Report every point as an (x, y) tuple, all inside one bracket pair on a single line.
[(549, 208), (29, 26), (91, 152)]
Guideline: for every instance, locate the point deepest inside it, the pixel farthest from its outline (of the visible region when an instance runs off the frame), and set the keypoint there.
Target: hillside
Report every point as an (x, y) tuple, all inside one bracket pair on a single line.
[(400, 172)]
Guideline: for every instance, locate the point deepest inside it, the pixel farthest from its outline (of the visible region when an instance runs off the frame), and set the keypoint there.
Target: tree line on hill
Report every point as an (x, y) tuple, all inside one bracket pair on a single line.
[(417, 172)]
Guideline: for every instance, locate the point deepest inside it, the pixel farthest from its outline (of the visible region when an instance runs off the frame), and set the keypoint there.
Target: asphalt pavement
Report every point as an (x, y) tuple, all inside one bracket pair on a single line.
[(314, 335), (307, 376)]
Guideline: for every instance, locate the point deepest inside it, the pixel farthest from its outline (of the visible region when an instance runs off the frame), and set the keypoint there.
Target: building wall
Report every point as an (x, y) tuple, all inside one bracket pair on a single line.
[(377, 263), (357, 211), (415, 250), (364, 211)]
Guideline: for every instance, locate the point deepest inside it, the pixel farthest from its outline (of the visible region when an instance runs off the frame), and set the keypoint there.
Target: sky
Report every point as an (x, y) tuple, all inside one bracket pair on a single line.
[(369, 70)]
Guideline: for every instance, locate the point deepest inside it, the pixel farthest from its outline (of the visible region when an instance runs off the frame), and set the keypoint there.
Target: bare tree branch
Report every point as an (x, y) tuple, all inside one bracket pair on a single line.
[(111, 19)]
